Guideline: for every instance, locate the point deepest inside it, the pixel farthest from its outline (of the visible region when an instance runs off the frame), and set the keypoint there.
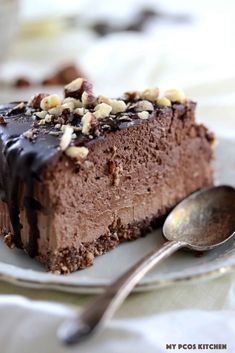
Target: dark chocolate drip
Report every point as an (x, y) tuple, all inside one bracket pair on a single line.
[(22, 163), (13, 208), (32, 206), (22, 160)]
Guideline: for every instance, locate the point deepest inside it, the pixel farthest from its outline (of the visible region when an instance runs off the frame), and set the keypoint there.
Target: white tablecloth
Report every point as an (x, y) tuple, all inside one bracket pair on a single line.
[(200, 313), (198, 57)]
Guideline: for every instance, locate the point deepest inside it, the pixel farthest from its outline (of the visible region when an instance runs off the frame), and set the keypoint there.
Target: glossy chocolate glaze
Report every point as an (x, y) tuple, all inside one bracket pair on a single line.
[(22, 159)]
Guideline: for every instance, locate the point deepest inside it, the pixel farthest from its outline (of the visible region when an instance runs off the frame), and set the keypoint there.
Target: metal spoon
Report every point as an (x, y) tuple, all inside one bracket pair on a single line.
[(201, 222)]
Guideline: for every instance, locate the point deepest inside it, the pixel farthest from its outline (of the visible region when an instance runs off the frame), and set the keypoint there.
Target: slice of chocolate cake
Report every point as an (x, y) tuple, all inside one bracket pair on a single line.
[(80, 175)]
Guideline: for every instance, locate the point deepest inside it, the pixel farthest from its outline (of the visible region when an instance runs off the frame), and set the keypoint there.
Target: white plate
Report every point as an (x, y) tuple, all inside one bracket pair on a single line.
[(17, 267)]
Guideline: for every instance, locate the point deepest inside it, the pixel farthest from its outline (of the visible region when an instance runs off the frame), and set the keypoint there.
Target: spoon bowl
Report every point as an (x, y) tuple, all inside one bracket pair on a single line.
[(204, 220)]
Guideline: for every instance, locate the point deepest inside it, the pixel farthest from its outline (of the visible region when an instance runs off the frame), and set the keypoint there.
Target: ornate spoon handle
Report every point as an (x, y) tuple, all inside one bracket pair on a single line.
[(104, 306)]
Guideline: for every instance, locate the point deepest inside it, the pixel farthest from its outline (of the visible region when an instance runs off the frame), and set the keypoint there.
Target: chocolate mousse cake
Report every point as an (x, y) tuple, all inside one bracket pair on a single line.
[(83, 173)]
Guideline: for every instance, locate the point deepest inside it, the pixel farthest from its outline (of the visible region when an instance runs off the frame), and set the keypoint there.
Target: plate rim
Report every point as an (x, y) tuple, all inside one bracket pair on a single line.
[(98, 288)]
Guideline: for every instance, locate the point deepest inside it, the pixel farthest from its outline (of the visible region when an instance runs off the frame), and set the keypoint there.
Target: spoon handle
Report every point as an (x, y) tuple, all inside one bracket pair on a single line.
[(99, 311)]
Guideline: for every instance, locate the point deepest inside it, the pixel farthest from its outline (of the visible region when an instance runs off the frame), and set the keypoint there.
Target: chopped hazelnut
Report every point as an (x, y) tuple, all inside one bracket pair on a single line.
[(35, 100), (48, 118), (42, 122), (69, 100), (76, 88), (88, 99), (87, 86), (164, 102), (80, 111), (118, 106), (151, 94), (59, 120), (77, 153), (175, 95), (143, 105), (75, 84), (66, 137), (55, 111), (28, 134), (103, 99), (52, 101), (28, 112), (87, 121), (17, 108), (41, 115), (143, 115), (70, 106), (76, 102), (102, 110)]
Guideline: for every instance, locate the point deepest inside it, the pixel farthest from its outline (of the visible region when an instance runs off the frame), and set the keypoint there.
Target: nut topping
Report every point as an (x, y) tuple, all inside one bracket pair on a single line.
[(164, 102), (143, 115), (41, 115), (17, 109), (76, 88), (76, 102), (77, 153), (69, 106), (104, 99), (175, 95), (151, 94), (87, 121), (29, 134), (102, 110), (48, 118), (80, 111), (55, 111), (66, 137), (143, 105), (52, 101), (88, 99), (118, 106), (35, 100)]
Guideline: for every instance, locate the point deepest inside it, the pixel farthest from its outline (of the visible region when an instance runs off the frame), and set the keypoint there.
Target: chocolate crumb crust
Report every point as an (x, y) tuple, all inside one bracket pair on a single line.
[(31, 139), (64, 261)]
